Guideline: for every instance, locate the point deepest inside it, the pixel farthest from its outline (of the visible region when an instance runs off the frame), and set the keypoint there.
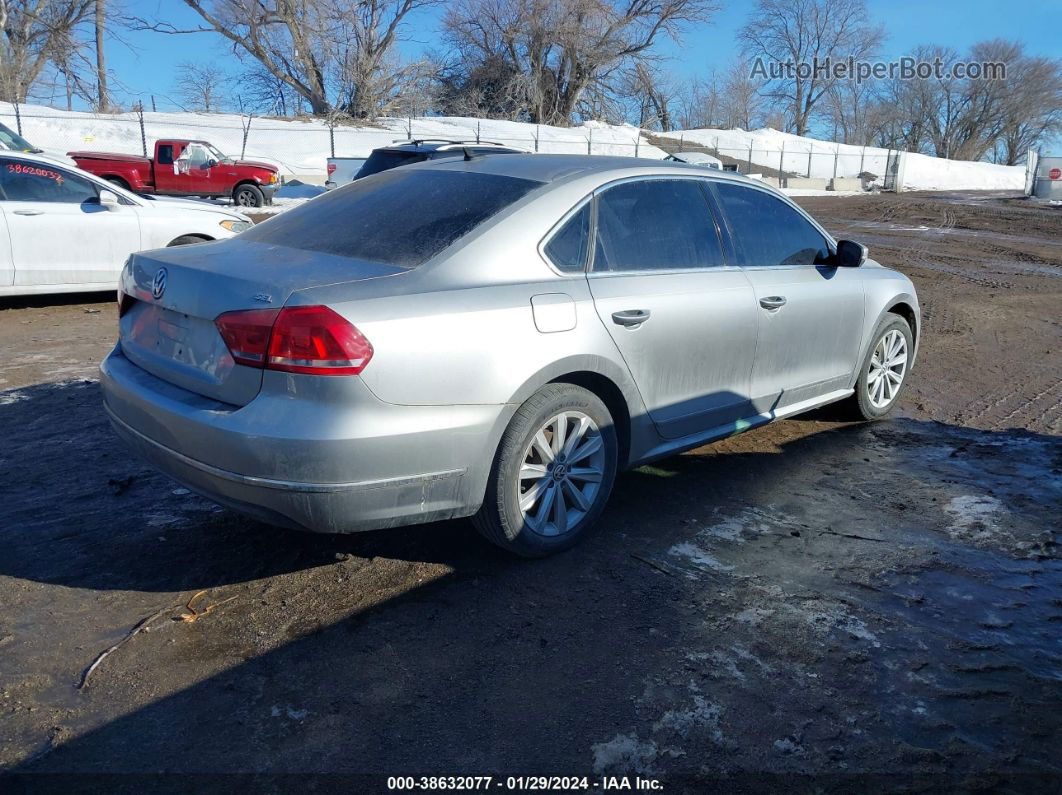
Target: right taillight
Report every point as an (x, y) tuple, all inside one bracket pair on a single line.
[(312, 340)]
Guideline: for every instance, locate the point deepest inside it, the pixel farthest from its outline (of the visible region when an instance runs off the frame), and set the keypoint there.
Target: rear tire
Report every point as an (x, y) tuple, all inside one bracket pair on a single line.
[(885, 369), (121, 183), (185, 240), (560, 445), (248, 196)]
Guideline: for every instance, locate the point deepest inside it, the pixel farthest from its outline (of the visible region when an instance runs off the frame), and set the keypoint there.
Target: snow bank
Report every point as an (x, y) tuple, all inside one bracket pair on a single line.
[(301, 147), (826, 159)]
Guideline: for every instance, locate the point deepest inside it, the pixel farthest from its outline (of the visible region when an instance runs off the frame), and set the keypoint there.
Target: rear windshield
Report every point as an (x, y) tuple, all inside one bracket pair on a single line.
[(402, 217), (383, 160)]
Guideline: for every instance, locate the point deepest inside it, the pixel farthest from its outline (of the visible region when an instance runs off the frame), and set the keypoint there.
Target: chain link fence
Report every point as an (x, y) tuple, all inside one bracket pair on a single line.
[(300, 147)]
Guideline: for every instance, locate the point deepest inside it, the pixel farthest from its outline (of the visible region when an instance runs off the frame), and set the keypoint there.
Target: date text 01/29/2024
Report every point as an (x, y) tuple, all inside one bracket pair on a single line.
[(522, 783)]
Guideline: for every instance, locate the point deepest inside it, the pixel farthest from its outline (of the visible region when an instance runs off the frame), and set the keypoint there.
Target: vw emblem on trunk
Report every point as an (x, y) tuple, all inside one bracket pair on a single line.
[(158, 284)]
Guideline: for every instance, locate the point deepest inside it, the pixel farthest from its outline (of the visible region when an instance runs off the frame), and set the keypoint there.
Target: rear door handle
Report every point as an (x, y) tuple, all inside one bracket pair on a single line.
[(631, 317), (28, 212), (773, 302)]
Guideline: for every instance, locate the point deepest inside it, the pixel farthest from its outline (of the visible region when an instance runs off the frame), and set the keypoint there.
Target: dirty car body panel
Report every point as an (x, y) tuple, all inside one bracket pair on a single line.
[(469, 313)]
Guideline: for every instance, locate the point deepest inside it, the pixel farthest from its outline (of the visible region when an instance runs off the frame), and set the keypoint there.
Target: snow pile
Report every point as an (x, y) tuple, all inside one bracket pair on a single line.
[(302, 147), (804, 156)]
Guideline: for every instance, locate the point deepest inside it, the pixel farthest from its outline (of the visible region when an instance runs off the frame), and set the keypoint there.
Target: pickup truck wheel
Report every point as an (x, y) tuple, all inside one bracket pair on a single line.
[(121, 183), (248, 196)]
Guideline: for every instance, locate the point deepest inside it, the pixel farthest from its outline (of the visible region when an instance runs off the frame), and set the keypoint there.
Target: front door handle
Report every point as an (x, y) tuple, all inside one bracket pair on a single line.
[(28, 212), (631, 317), (773, 302)]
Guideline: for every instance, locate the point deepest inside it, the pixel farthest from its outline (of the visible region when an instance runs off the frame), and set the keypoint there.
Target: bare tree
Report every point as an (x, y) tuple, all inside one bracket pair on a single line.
[(34, 34), (699, 104), (102, 97), (742, 101), (321, 49), (652, 92), (201, 86), (561, 54), (1032, 107), (796, 34)]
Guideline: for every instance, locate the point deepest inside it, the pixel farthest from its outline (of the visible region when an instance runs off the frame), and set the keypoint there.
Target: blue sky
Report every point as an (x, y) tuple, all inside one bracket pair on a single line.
[(147, 65)]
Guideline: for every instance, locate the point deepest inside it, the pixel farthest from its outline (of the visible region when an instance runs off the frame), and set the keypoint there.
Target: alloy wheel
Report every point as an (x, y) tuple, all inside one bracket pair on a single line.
[(888, 366), (561, 473)]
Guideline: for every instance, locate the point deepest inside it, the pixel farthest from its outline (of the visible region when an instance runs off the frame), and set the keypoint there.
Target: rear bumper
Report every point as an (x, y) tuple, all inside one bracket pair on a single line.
[(308, 460)]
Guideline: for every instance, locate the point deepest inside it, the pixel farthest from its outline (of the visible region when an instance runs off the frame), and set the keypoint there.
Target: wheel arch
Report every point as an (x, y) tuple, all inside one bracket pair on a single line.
[(612, 396), (200, 237)]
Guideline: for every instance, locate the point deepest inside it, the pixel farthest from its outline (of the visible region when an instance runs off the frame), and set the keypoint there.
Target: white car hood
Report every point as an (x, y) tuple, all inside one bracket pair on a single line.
[(194, 205)]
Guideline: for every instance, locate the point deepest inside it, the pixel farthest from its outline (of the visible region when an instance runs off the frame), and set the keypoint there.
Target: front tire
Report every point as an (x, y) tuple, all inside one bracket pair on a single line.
[(885, 369), (248, 196), (552, 474)]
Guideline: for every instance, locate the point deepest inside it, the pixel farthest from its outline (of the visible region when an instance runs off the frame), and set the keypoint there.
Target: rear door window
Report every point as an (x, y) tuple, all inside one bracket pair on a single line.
[(28, 181), (767, 231), (655, 224), (400, 217)]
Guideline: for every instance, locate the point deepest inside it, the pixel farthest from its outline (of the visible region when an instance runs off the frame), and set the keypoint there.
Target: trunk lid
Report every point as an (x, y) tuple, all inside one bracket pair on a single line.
[(170, 332)]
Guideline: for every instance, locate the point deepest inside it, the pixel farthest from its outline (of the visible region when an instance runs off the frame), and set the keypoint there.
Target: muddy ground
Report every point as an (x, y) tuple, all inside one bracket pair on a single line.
[(819, 599)]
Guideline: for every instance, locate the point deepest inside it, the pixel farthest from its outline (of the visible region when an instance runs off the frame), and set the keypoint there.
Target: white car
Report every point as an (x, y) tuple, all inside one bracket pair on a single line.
[(65, 230), (696, 159)]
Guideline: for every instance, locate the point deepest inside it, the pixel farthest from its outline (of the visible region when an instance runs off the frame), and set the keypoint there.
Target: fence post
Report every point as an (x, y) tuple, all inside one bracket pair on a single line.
[(246, 132), (143, 133), (781, 161), (682, 138), (862, 154), (18, 119), (409, 128), (836, 154), (332, 136), (750, 158), (153, 108), (637, 141), (538, 131), (809, 160), (477, 131), (589, 140)]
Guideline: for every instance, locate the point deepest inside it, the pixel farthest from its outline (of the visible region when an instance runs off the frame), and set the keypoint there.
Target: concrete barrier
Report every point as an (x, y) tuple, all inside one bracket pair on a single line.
[(772, 181), (305, 179), (812, 183), (846, 183)]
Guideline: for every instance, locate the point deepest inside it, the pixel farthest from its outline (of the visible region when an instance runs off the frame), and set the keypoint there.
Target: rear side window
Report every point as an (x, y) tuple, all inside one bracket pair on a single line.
[(655, 225), (569, 247), (27, 181), (165, 157), (402, 217), (767, 231)]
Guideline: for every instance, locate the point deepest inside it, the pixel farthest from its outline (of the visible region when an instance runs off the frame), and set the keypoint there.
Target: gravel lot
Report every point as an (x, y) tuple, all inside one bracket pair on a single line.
[(820, 598)]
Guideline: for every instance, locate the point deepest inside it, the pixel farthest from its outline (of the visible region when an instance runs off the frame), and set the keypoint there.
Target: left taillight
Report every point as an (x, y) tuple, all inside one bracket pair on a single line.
[(312, 340)]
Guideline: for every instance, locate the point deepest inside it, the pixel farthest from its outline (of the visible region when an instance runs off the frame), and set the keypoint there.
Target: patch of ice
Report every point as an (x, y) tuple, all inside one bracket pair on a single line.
[(694, 554), (624, 753), (973, 515), (702, 714)]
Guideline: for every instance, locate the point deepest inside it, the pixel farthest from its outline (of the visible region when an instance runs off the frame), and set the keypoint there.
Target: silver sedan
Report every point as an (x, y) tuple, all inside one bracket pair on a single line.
[(494, 337)]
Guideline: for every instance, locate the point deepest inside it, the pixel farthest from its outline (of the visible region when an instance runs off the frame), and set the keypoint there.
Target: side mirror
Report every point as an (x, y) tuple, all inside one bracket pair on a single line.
[(109, 199), (850, 254), (211, 163)]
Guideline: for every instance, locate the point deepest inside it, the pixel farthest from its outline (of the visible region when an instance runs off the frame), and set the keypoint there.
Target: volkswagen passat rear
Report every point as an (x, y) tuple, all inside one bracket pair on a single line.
[(493, 337)]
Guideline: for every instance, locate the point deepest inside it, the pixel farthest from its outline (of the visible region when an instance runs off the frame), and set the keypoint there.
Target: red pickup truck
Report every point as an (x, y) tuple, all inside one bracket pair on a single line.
[(185, 168)]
